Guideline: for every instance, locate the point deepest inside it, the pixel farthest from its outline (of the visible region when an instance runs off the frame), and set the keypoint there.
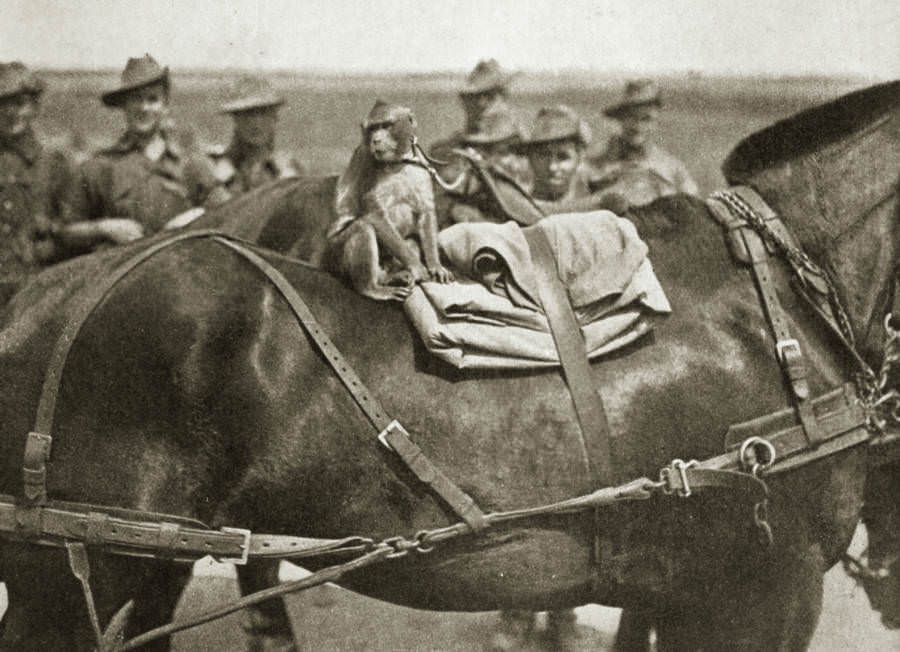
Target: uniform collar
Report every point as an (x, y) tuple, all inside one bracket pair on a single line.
[(624, 150), (129, 143), (238, 155), (26, 146)]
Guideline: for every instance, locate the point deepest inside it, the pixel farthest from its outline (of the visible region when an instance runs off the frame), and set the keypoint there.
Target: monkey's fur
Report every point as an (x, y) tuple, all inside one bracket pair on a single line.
[(386, 214)]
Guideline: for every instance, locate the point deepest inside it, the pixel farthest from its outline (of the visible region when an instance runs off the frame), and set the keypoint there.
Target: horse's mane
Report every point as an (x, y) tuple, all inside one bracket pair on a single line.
[(811, 130)]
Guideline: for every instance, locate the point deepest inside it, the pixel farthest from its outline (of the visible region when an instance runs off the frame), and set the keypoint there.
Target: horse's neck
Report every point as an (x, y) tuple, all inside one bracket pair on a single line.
[(831, 173)]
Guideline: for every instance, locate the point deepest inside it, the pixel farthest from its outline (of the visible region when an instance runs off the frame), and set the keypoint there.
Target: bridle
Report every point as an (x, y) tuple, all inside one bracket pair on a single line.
[(841, 419)]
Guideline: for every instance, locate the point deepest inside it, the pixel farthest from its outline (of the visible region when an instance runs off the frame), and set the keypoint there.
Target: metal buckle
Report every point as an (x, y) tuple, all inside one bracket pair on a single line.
[(245, 546), (781, 345), (665, 475), (392, 426)]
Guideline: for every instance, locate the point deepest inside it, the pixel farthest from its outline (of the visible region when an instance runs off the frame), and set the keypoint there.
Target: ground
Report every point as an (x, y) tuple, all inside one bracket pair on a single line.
[(330, 618)]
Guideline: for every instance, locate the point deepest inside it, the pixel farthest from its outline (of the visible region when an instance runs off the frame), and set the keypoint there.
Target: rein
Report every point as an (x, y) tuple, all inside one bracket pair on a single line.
[(769, 445)]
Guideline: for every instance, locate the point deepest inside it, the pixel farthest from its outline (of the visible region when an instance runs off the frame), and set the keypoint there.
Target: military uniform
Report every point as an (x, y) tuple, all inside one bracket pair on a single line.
[(641, 175), (239, 174), (638, 172), (486, 77), (243, 166), (121, 181), (124, 181), (34, 183)]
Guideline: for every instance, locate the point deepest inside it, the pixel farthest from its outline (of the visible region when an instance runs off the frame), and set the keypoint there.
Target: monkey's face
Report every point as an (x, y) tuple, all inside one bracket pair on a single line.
[(391, 140)]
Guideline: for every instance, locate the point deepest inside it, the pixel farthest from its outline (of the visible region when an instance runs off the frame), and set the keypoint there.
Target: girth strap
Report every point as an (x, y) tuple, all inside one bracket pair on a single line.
[(392, 434), (572, 355)]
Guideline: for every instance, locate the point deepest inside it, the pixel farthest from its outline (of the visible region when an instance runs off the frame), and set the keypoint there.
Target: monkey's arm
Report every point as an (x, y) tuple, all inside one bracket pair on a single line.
[(390, 239), (427, 226)]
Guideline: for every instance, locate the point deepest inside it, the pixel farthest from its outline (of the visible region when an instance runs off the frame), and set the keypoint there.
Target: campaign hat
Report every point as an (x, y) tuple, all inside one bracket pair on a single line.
[(638, 92), (558, 122), (138, 72), (487, 75), (16, 79), (251, 93)]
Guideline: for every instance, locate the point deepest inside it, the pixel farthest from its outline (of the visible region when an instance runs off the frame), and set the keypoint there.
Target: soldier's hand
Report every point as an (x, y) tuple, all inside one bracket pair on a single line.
[(121, 229)]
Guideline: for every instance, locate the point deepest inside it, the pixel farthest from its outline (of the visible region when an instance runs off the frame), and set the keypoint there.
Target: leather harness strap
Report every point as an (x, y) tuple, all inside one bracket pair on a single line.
[(39, 441), (29, 516), (787, 348), (392, 434), (572, 356)]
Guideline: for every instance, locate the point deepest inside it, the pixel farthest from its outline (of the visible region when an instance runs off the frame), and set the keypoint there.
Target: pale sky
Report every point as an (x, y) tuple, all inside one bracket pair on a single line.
[(825, 37)]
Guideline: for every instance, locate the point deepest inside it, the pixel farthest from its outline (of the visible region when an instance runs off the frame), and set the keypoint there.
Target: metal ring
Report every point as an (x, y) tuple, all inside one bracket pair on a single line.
[(751, 443)]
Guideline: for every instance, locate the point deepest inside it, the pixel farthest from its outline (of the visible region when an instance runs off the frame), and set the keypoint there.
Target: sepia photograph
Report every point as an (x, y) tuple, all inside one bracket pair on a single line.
[(503, 326)]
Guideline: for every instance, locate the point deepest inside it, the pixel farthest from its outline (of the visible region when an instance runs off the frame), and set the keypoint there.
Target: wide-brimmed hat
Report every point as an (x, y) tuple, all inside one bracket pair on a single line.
[(139, 72), (251, 93), (16, 78), (495, 127), (486, 76), (638, 92), (558, 122)]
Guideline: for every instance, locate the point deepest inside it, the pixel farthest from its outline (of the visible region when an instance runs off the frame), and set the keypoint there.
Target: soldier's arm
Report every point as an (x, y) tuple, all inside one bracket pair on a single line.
[(82, 224)]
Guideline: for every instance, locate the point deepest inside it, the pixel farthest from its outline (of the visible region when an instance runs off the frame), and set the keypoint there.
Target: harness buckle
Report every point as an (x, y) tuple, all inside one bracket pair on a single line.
[(393, 426), (245, 546), (784, 348)]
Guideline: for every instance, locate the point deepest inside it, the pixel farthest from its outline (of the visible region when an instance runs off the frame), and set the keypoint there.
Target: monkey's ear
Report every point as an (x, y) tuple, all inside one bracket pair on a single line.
[(362, 132), (412, 120)]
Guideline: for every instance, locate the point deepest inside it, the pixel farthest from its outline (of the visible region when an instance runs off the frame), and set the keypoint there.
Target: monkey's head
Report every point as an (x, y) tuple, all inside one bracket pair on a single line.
[(388, 132)]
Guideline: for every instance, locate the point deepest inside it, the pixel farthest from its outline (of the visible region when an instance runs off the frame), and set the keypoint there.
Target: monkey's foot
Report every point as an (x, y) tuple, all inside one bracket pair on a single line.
[(387, 292)]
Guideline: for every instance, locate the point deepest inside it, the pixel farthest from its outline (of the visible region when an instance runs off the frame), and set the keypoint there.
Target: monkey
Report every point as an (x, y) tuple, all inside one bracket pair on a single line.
[(386, 221)]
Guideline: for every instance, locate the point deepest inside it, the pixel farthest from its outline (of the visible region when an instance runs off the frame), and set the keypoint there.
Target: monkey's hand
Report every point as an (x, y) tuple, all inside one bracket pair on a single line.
[(418, 272), (440, 274)]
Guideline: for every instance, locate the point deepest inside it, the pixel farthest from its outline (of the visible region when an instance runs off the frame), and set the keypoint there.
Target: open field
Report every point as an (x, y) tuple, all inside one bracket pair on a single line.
[(703, 120)]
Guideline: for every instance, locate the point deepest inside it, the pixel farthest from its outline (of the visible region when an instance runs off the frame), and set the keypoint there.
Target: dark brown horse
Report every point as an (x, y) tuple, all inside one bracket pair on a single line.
[(192, 390)]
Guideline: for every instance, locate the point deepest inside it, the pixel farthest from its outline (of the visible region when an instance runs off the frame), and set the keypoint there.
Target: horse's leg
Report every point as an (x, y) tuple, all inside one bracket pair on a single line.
[(775, 612), (46, 608), (881, 515), (633, 634), (269, 628)]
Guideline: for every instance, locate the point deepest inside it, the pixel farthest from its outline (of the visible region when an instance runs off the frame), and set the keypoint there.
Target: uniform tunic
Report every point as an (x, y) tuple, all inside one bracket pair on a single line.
[(34, 183), (239, 173), (640, 175), (122, 182)]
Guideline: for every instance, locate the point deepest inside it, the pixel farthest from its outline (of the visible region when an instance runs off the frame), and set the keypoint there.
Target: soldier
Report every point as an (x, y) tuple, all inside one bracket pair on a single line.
[(140, 184), (486, 90), (33, 181), (631, 164), (251, 160), (555, 151)]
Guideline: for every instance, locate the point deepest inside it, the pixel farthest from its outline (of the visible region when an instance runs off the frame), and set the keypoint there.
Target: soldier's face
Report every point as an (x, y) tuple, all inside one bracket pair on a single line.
[(256, 127), (17, 113), (554, 165), (639, 124), (478, 104), (146, 108), (504, 157)]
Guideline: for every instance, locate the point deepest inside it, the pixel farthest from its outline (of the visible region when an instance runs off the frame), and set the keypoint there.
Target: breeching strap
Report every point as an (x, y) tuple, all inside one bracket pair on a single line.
[(38, 443), (393, 435)]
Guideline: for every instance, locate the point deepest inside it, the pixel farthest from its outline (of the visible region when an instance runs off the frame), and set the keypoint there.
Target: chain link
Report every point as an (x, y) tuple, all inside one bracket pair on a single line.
[(795, 256), (882, 405)]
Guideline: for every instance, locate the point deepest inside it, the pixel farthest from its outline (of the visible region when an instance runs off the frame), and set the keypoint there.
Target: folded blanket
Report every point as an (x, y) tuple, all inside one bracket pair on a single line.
[(492, 319), (597, 255)]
